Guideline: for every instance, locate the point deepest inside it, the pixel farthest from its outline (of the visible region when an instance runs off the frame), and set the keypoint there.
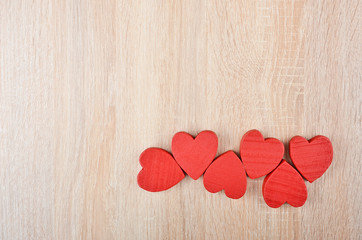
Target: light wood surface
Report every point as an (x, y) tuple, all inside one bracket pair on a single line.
[(86, 86)]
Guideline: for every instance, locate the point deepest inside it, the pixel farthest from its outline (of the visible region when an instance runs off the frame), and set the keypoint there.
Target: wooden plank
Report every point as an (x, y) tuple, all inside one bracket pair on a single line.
[(86, 86)]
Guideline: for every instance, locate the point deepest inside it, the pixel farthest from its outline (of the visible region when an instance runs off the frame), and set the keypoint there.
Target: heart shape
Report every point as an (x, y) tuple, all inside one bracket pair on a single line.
[(226, 172), (160, 170), (260, 156), (284, 184), (312, 158), (194, 155)]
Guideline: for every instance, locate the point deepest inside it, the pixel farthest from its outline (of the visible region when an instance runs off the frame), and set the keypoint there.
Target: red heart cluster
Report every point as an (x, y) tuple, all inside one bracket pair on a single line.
[(259, 157)]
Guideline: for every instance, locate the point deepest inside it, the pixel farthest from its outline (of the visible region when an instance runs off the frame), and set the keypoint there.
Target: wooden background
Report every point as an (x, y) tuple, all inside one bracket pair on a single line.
[(86, 86)]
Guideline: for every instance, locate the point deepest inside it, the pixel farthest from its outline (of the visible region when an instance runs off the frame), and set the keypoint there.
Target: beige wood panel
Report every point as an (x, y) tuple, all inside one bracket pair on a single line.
[(86, 86)]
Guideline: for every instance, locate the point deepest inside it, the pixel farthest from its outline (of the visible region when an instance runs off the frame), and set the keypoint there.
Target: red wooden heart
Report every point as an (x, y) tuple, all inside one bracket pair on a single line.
[(260, 156), (226, 172), (160, 170), (194, 155), (284, 184), (312, 158)]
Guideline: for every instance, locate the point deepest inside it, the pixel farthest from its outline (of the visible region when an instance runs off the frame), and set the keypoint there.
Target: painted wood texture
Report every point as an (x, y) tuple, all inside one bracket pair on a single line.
[(159, 171), (226, 173), (194, 154), (282, 185), (311, 157), (260, 156), (86, 86)]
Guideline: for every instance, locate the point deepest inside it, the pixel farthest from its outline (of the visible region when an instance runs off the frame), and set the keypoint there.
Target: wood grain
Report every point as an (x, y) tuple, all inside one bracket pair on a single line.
[(86, 86)]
